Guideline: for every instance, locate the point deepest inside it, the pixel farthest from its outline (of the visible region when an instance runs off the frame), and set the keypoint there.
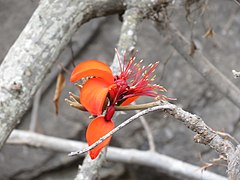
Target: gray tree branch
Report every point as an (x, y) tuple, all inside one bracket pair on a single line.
[(166, 164), (128, 36), (205, 135), (89, 170), (199, 62), (37, 48)]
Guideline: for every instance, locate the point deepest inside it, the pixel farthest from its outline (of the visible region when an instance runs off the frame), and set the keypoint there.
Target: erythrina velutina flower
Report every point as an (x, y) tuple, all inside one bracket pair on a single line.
[(103, 91)]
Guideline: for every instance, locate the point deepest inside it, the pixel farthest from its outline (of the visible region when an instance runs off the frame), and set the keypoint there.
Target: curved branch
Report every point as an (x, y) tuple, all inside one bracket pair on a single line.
[(205, 135), (159, 107)]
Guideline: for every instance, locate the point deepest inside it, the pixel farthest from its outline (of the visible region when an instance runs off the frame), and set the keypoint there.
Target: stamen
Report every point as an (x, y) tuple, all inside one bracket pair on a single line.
[(119, 61)]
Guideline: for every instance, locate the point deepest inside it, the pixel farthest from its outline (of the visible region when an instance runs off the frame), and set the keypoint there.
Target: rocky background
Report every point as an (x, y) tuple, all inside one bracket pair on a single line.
[(97, 40)]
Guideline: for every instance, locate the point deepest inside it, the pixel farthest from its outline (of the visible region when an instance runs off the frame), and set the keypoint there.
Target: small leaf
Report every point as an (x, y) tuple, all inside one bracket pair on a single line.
[(58, 91)]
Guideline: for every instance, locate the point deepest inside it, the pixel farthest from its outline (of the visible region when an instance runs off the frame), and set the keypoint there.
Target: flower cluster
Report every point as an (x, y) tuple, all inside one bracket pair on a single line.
[(102, 91)]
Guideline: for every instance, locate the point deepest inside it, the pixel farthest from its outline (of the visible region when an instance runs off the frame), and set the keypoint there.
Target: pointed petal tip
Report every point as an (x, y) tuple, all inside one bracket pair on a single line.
[(93, 154)]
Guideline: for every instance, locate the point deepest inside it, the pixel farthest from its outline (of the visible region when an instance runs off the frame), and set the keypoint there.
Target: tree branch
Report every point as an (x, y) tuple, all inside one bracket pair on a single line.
[(128, 37), (90, 168), (205, 135), (148, 132), (215, 77), (37, 48), (199, 62), (165, 164)]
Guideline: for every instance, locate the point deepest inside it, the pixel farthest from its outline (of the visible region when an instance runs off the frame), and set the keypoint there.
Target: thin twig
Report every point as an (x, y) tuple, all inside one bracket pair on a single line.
[(230, 21), (227, 136), (150, 137), (147, 130), (73, 101), (165, 64), (159, 107)]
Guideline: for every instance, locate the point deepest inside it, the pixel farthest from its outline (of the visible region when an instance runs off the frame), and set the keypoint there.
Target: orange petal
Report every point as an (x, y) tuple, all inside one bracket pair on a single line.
[(93, 95), (96, 129), (129, 100), (92, 68)]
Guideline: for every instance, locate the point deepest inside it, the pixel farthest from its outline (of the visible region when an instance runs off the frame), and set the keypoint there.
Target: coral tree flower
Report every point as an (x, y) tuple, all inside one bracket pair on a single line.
[(103, 90)]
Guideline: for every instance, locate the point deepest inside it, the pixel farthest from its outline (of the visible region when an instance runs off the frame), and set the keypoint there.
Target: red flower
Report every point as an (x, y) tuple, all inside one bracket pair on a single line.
[(103, 90)]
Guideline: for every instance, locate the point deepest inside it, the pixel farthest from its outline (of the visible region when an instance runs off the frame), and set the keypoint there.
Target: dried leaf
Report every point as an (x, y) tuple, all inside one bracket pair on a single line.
[(193, 48), (209, 33), (58, 91)]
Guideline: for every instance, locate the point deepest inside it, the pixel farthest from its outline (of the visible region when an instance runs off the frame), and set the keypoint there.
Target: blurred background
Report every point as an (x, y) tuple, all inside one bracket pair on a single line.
[(97, 40)]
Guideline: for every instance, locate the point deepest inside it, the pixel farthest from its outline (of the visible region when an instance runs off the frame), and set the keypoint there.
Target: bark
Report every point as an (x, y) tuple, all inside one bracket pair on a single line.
[(90, 168)]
